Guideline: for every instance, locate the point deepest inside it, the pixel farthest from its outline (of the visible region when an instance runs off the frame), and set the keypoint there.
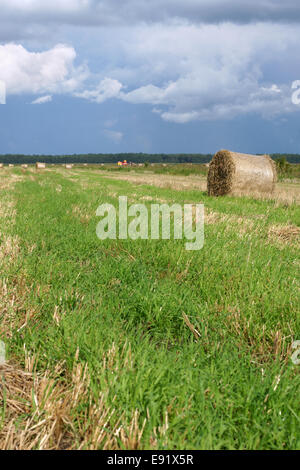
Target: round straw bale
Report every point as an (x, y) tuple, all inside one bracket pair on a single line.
[(40, 165), (238, 173)]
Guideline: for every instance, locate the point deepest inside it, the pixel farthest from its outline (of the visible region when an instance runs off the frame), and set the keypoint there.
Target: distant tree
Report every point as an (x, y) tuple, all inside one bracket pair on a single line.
[(283, 167)]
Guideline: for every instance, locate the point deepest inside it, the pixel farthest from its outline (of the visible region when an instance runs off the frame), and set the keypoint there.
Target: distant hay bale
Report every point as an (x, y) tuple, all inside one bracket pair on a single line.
[(1, 165), (238, 173), (24, 166), (40, 166), (69, 166), (11, 165)]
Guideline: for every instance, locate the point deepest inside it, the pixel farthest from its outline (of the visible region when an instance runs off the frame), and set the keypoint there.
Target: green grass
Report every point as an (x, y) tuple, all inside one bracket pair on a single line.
[(162, 169), (241, 293)]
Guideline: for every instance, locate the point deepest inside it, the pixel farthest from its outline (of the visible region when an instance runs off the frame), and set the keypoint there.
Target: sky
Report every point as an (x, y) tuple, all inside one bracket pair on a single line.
[(153, 76)]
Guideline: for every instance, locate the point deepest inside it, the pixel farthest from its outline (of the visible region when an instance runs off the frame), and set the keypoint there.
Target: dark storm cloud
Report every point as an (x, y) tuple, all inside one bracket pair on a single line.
[(108, 12), (206, 11)]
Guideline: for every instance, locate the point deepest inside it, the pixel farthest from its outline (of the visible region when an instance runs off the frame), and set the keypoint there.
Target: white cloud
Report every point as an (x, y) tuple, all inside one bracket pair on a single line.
[(180, 118), (2, 92), (273, 89), (146, 94), (209, 71), (39, 72), (185, 71), (107, 88), (110, 123), (42, 100), (114, 136)]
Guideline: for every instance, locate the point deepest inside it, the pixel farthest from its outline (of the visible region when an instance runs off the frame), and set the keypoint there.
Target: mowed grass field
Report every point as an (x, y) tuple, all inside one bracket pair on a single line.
[(122, 344)]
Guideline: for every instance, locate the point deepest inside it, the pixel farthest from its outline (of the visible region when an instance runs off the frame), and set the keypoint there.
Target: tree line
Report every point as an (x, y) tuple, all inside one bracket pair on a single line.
[(96, 158)]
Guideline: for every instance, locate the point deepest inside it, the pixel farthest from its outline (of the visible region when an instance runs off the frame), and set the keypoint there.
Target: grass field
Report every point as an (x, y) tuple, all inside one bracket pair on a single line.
[(122, 344)]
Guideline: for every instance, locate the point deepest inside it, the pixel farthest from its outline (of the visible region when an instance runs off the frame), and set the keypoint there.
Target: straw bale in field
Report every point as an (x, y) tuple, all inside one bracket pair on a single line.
[(40, 166), (238, 173)]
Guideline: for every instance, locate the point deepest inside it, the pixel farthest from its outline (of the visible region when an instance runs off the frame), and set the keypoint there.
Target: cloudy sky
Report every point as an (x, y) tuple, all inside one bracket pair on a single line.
[(170, 76)]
